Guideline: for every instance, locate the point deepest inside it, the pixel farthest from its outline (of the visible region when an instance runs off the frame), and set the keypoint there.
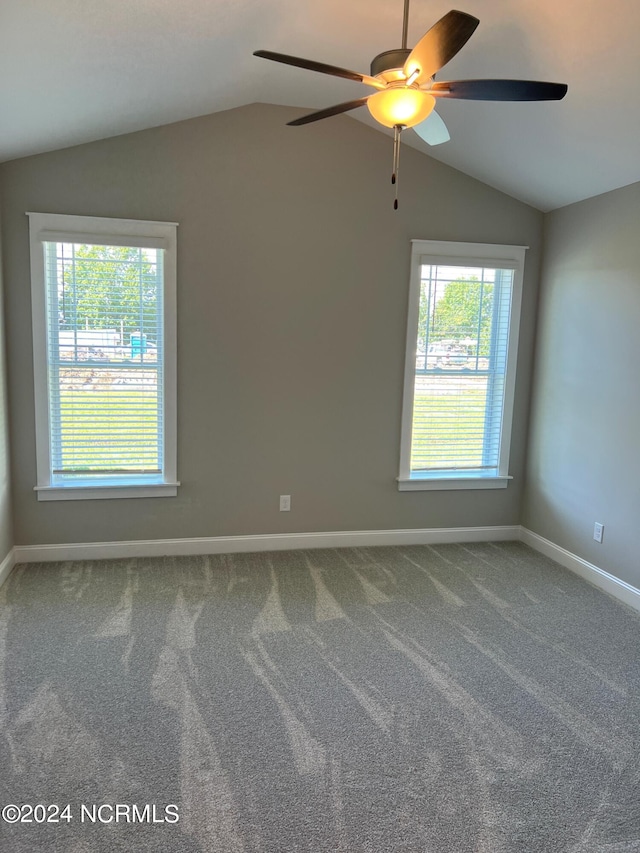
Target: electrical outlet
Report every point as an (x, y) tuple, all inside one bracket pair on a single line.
[(598, 531), (285, 503)]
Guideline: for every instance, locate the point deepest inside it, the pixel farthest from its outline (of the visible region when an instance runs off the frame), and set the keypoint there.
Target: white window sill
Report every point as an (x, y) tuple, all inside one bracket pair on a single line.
[(442, 482), (90, 492)]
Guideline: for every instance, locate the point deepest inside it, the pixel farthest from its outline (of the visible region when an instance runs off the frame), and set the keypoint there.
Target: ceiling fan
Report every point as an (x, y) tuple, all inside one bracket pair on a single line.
[(407, 90)]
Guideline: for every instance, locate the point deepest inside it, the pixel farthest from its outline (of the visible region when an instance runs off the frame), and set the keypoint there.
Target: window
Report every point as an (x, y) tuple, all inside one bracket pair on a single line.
[(462, 337), (104, 345)]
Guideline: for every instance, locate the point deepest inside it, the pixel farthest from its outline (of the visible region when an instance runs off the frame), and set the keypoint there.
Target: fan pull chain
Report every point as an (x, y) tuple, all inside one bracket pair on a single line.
[(397, 130)]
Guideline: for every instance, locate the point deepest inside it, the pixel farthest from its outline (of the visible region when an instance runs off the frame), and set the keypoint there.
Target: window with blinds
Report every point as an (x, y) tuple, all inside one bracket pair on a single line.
[(104, 346), (461, 348)]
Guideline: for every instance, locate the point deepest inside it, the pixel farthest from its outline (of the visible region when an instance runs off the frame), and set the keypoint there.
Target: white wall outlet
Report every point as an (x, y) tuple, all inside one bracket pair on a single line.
[(285, 503), (598, 531)]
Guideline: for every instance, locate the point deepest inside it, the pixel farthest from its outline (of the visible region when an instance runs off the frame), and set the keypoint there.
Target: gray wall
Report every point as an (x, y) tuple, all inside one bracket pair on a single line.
[(6, 527), (292, 297), (584, 461)]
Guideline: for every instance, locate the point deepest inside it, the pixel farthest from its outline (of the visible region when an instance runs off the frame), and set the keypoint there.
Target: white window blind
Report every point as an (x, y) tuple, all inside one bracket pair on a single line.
[(460, 361), (106, 349), (106, 364), (460, 369)]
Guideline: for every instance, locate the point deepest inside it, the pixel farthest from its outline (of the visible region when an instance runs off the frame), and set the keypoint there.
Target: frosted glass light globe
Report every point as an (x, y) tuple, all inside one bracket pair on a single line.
[(400, 106)]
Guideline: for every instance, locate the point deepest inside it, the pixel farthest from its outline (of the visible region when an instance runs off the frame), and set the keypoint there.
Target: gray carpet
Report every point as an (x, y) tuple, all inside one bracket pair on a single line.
[(453, 698)]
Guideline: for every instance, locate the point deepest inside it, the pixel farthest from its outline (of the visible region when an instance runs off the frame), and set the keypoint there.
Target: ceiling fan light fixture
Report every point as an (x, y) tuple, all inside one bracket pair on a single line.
[(400, 106), (405, 78)]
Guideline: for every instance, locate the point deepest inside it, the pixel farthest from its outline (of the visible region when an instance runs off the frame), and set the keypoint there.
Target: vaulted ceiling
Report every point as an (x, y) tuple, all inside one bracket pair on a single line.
[(72, 71)]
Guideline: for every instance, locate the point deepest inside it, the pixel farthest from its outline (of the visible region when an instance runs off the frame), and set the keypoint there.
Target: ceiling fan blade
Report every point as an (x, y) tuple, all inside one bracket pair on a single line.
[(321, 67), (432, 130), (499, 90), (329, 111), (440, 44)]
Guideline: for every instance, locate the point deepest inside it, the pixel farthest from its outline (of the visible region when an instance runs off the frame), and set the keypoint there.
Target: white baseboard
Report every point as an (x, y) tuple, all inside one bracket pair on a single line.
[(266, 542), (337, 539), (609, 583), (6, 565)]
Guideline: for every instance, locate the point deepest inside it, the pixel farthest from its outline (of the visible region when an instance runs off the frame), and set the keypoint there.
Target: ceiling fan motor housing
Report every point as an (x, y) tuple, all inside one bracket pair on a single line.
[(388, 60)]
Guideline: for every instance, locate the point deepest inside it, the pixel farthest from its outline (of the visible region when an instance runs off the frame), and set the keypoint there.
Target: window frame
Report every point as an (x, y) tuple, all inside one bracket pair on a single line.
[(468, 254), (54, 227)]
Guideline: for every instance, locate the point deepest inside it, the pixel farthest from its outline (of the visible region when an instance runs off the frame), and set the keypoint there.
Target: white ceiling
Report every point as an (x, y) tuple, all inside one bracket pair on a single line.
[(76, 70)]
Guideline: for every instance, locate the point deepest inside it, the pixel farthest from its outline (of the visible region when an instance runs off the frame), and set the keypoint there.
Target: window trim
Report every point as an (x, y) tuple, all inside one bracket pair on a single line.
[(54, 227), (490, 254)]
